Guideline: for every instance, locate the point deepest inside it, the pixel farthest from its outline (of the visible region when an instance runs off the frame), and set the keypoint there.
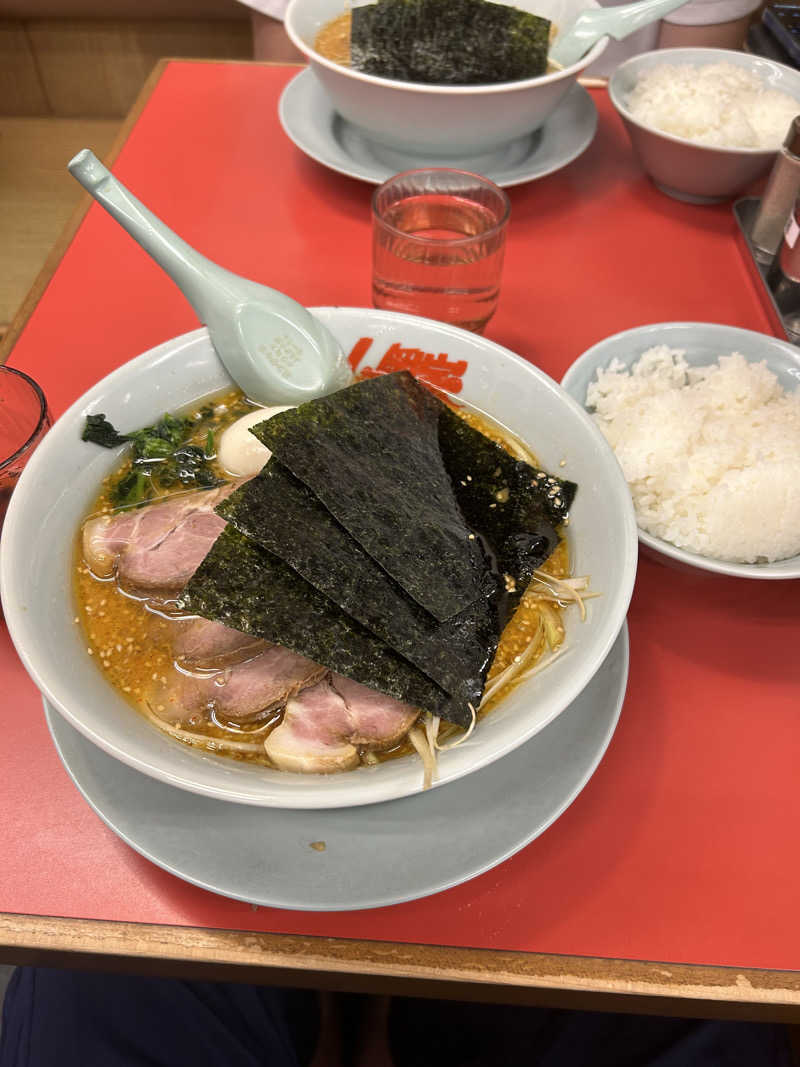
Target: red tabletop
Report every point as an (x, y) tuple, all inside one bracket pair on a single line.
[(681, 847)]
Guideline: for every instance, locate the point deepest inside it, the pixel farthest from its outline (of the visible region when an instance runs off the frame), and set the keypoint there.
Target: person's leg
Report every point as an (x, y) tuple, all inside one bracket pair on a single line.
[(485, 1035), (61, 1018), (365, 1021)]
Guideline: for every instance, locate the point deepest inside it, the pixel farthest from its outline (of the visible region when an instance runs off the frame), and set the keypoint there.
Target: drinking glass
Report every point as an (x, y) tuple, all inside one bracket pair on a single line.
[(438, 238), (24, 420)]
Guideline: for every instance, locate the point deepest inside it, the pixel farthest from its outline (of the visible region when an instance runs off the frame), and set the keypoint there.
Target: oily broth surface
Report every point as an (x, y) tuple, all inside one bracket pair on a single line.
[(333, 40), (132, 643)]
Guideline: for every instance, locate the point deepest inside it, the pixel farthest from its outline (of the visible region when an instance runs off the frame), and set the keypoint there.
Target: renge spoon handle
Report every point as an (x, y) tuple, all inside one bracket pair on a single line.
[(275, 350)]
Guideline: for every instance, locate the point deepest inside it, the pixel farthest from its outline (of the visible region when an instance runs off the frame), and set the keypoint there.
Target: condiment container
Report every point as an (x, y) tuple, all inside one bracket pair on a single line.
[(780, 194), (783, 278), (707, 24)]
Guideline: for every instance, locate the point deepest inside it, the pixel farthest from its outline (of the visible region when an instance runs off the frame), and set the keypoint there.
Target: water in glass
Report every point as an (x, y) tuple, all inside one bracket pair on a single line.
[(441, 256)]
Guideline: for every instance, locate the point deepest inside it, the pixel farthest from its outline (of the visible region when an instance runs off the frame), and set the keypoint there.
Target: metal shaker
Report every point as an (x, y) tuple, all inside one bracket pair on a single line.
[(780, 194), (783, 277)]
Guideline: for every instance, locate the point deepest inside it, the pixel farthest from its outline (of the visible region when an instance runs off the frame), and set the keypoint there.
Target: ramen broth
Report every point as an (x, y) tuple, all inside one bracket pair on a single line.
[(132, 640)]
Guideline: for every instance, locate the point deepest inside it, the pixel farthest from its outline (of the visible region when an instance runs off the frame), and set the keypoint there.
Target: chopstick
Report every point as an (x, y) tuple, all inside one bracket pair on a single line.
[(593, 83)]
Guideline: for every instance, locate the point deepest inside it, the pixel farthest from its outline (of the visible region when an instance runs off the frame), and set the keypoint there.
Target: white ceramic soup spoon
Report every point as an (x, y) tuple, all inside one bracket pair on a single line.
[(275, 350), (616, 22)]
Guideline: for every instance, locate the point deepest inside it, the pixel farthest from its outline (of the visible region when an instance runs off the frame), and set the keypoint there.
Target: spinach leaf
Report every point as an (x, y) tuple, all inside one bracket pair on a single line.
[(163, 457), (99, 431), (160, 440), (130, 490)]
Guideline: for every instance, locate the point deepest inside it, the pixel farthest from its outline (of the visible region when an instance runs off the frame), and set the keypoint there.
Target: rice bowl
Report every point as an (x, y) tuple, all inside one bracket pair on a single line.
[(717, 104), (717, 470), (687, 169)]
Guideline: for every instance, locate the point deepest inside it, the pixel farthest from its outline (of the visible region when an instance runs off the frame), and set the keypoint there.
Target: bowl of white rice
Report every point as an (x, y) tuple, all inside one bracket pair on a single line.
[(705, 122), (704, 420)]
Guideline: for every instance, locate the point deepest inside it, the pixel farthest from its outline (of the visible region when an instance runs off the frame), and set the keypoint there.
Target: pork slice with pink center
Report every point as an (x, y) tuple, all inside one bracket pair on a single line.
[(239, 693), (376, 720), (205, 645), (312, 738), (324, 727), (157, 548)]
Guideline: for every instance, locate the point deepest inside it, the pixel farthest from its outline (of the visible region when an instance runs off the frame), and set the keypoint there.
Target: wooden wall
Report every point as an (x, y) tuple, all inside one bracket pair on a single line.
[(91, 67)]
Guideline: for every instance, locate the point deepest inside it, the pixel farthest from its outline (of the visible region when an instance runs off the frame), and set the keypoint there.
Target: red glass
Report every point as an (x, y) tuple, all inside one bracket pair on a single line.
[(24, 420)]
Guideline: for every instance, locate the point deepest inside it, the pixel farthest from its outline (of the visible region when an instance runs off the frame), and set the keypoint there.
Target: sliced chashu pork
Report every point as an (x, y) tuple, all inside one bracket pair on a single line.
[(203, 645), (157, 548), (323, 727), (238, 693)]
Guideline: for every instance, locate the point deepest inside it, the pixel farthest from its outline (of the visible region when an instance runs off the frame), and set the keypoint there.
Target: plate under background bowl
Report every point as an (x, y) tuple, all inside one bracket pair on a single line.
[(310, 122), (703, 343), (63, 477)]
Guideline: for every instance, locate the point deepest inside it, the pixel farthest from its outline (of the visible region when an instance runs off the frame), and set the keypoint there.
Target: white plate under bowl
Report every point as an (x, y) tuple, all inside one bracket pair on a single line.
[(310, 121), (374, 855), (63, 477), (702, 343)]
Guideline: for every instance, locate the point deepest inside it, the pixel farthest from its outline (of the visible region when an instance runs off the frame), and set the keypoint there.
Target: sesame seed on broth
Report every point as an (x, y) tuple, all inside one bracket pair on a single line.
[(525, 621), (132, 642), (333, 40), (133, 646)]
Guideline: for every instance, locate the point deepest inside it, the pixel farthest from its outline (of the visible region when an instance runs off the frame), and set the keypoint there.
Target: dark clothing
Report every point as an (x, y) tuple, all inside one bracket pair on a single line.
[(470, 1035), (59, 1018)]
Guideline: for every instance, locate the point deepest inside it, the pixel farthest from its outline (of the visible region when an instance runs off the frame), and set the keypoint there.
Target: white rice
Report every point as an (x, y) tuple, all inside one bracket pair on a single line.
[(714, 104), (711, 454)]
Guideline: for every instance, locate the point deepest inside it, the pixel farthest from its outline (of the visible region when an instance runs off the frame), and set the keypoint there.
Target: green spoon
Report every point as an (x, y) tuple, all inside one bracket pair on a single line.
[(275, 350), (574, 42)]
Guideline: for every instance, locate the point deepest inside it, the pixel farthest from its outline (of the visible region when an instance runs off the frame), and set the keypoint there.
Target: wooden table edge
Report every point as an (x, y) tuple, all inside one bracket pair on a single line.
[(402, 969), (373, 966)]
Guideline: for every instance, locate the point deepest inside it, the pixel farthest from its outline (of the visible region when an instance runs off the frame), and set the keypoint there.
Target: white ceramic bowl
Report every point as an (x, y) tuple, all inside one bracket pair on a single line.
[(63, 478), (703, 343), (439, 123), (692, 172)]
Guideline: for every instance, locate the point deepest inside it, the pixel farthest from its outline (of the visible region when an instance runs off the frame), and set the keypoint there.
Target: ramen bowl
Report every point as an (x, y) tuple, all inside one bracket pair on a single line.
[(701, 343), (438, 123), (64, 476), (684, 169)]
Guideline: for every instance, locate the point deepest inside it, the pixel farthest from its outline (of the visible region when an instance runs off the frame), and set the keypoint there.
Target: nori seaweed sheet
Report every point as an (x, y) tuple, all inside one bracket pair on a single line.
[(512, 505), (371, 454), (249, 589), (281, 514), (448, 42), (286, 570)]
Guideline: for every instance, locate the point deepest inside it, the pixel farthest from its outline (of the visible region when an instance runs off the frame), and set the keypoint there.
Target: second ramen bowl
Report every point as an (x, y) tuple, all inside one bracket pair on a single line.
[(438, 123)]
